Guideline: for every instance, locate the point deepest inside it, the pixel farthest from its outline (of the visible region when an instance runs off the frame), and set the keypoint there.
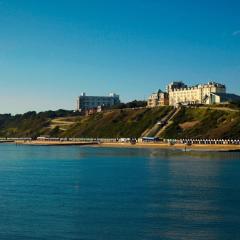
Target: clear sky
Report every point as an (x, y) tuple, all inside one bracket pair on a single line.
[(52, 50)]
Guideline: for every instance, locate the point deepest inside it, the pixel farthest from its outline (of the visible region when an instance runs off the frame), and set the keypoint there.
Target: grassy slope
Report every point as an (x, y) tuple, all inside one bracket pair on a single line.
[(208, 123), (117, 123)]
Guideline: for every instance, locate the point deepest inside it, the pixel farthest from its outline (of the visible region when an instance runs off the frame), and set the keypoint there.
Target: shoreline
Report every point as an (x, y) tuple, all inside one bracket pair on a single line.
[(193, 147)]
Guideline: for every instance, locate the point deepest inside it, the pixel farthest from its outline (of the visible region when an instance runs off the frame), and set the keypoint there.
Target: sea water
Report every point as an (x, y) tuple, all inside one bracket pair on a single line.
[(93, 193)]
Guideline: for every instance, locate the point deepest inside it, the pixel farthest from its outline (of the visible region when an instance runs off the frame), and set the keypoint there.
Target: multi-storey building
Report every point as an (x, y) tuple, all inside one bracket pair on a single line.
[(85, 102), (158, 99), (178, 93), (209, 93)]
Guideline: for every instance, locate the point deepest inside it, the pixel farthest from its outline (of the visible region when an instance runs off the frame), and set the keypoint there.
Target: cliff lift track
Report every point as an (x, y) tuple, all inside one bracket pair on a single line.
[(160, 124), (168, 122)]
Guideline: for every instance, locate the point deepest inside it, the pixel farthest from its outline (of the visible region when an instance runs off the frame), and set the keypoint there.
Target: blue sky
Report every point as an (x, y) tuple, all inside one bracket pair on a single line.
[(52, 50)]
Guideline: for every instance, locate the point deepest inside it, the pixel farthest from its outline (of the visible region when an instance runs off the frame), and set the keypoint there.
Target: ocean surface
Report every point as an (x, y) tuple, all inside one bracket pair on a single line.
[(118, 194)]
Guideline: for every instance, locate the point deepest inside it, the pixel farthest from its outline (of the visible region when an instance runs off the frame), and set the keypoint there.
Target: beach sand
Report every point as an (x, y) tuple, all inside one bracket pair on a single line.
[(203, 147), (200, 147)]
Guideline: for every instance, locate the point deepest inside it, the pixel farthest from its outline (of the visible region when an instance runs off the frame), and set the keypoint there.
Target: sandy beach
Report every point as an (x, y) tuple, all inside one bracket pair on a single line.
[(203, 147), (199, 147)]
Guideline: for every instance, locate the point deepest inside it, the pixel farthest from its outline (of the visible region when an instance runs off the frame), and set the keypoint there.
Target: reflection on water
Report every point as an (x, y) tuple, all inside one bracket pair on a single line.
[(112, 193), (198, 188)]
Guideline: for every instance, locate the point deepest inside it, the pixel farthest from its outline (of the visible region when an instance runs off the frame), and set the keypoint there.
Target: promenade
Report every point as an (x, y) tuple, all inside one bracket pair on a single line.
[(174, 144)]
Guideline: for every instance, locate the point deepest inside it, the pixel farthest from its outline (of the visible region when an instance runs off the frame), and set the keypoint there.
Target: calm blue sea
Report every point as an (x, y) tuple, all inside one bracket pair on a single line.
[(118, 194)]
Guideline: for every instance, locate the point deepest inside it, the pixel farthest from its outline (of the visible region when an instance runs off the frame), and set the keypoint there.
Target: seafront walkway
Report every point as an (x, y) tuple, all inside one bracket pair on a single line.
[(187, 141), (217, 145)]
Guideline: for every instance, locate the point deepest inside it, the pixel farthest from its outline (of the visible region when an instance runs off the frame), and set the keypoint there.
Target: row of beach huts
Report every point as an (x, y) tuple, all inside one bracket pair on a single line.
[(187, 141)]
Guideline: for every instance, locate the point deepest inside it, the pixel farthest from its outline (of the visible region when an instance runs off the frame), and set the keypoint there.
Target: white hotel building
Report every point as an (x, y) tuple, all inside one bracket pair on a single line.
[(178, 93), (209, 93)]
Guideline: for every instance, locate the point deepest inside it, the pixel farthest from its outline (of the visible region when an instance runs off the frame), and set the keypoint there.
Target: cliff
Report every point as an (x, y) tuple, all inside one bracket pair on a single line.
[(164, 122)]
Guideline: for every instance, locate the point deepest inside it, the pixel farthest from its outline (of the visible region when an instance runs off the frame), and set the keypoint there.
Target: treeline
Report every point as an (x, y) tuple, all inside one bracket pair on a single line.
[(47, 114), (132, 104)]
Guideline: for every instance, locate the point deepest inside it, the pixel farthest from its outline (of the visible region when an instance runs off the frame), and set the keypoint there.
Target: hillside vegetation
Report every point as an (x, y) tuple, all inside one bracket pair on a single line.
[(117, 123), (30, 124), (186, 123), (204, 123)]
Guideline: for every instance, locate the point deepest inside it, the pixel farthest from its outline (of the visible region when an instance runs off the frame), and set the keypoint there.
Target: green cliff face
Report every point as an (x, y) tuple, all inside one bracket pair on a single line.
[(204, 123), (186, 123)]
